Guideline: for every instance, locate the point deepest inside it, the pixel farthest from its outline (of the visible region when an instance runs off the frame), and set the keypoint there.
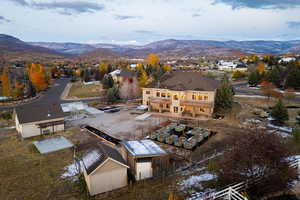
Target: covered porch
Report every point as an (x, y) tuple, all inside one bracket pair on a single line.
[(161, 105)]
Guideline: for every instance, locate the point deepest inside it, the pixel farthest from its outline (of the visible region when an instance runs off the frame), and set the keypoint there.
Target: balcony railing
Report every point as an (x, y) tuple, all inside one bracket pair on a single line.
[(159, 100), (196, 103)]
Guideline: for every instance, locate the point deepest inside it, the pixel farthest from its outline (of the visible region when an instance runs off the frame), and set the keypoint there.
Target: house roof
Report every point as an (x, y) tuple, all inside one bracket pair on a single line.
[(126, 73), (145, 148), (41, 112), (180, 81), (97, 155)]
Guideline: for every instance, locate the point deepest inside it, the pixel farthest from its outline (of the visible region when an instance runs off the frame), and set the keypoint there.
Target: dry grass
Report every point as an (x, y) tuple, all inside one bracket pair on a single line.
[(27, 174), (84, 91)]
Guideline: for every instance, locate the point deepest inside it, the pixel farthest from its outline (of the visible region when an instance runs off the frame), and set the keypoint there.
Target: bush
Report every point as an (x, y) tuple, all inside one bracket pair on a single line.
[(6, 115), (238, 74)]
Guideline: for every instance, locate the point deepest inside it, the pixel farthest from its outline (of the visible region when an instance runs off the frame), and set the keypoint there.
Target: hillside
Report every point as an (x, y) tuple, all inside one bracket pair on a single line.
[(13, 49), (171, 47)]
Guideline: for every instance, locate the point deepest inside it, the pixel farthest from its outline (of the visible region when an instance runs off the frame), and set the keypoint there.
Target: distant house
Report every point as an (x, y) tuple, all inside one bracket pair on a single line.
[(33, 120), (181, 94), (287, 59), (145, 158), (104, 169)]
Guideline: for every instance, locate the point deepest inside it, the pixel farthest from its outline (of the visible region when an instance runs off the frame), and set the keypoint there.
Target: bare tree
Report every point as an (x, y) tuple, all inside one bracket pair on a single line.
[(256, 155)]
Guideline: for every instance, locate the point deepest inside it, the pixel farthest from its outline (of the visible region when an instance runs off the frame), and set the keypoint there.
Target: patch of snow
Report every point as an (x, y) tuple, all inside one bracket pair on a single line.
[(71, 170), (282, 134), (253, 121), (281, 128), (195, 180)]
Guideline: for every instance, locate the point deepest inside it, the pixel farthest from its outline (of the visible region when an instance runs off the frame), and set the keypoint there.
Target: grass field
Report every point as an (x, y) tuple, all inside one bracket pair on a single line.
[(78, 90), (27, 174)]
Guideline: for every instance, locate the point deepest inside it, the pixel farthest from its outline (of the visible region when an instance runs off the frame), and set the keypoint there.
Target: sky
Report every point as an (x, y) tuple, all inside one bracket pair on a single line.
[(144, 21)]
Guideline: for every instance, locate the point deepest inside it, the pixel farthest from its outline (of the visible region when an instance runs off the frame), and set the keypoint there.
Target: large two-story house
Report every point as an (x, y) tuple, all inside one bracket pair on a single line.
[(182, 94)]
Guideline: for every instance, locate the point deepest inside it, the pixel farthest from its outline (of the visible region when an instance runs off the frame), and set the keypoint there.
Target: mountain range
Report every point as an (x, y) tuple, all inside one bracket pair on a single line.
[(17, 49)]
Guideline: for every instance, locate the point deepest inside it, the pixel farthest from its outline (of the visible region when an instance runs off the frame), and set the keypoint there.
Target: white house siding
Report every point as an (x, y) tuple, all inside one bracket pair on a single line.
[(31, 129), (108, 177)]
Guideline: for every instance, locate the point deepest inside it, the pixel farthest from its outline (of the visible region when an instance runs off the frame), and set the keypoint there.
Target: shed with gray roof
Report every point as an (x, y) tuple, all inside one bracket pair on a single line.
[(104, 169)]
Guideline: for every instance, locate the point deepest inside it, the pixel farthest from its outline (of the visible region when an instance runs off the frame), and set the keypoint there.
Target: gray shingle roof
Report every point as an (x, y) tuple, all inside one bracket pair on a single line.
[(180, 81), (98, 155), (35, 113)]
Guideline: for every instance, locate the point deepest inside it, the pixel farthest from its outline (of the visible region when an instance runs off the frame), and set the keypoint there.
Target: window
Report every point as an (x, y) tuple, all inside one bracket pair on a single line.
[(167, 106), (169, 95), (194, 97), (147, 92), (163, 95), (181, 109), (175, 109), (147, 103), (158, 94), (175, 97), (200, 98), (201, 110), (205, 98), (47, 131)]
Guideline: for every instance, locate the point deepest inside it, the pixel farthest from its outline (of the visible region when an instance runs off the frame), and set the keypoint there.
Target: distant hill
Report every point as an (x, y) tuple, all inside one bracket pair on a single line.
[(98, 55), (175, 48), (13, 49)]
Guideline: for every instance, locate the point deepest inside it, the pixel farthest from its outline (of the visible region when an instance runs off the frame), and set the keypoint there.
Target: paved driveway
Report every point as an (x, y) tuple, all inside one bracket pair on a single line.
[(52, 95)]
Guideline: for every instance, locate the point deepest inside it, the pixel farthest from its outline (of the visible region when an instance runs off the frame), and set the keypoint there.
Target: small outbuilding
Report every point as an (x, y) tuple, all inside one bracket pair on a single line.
[(33, 120), (104, 169), (145, 158)]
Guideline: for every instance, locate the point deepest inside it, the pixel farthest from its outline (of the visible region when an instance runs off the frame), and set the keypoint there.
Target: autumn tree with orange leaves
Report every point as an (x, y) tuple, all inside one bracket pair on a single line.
[(5, 83), (18, 91), (38, 77), (153, 59), (269, 89), (261, 67)]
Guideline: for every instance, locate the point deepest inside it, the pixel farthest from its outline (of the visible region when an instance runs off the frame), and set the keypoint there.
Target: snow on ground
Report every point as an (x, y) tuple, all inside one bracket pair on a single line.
[(281, 128), (195, 181), (280, 133), (71, 170)]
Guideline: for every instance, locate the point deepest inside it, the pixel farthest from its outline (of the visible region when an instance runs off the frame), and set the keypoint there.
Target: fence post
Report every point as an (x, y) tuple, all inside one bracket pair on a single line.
[(229, 193)]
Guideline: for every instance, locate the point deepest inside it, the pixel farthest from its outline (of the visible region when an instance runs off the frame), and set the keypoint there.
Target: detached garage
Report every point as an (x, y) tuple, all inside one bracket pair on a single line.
[(104, 169), (33, 120), (145, 158)]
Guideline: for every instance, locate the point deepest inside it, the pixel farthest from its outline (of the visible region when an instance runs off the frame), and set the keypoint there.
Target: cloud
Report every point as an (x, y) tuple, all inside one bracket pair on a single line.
[(63, 7), (261, 4), (126, 17), (294, 24), (3, 19), (196, 15), (144, 32)]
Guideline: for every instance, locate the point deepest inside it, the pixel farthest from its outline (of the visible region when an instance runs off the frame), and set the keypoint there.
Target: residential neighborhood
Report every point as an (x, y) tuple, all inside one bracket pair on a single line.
[(155, 100)]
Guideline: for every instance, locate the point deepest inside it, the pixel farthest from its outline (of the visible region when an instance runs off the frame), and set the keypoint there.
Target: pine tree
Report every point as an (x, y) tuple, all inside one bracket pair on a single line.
[(279, 113), (254, 78), (112, 94), (107, 82), (292, 80), (275, 76), (298, 119), (224, 95), (296, 134)]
